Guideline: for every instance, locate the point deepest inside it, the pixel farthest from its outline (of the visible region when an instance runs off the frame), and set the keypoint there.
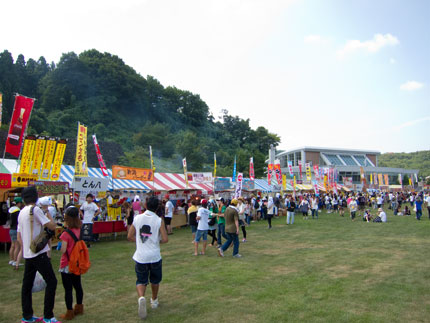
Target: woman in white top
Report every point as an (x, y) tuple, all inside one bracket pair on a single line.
[(242, 215), (270, 211), (314, 202)]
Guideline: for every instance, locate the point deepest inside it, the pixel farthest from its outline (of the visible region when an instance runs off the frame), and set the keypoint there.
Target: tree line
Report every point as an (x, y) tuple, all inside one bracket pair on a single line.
[(123, 107)]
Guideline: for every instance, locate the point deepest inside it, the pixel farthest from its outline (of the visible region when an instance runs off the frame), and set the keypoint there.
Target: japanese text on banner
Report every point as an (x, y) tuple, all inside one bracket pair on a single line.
[(27, 155), (81, 167), (58, 160)]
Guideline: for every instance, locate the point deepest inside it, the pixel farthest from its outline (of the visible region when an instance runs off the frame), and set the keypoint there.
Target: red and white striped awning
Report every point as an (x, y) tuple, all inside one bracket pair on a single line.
[(175, 182)]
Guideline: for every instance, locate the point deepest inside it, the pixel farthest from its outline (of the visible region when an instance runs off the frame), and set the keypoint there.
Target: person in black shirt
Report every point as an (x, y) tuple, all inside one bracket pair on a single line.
[(291, 208)]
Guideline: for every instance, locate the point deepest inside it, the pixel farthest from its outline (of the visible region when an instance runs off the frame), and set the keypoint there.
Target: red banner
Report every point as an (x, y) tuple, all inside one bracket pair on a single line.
[(18, 124), (300, 168), (278, 173), (317, 172), (5, 180), (269, 174), (100, 157), (251, 169)]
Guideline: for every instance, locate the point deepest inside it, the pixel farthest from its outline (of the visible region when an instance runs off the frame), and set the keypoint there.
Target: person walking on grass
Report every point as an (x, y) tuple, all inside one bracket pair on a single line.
[(232, 230), (71, 281), (148, 231), (314, 204), (242, 216), (213, 211), (192, 215), (221, 221), (31, 222), (168, 215), (291, 208), (15, 247), (353, 207), (419, 207), (304, 206), (202, 228), (270, 211)]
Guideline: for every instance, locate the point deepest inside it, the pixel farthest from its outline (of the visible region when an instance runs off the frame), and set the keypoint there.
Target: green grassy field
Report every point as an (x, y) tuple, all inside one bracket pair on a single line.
[(326, 270)]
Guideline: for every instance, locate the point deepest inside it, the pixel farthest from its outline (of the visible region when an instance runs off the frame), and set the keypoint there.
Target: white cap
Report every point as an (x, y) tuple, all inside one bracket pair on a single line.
[(46, 200)]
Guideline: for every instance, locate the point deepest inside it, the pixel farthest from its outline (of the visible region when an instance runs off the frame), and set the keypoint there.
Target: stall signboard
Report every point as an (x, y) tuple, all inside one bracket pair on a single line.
[(93, 184), (347, 181), (5, 180), (132, 173), (248, 184), (21, 180), (199, 178), (222, 184), (45, 188)]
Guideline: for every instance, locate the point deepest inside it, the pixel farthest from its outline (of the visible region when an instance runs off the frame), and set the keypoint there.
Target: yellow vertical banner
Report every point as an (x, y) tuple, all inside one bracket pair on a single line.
[(381, 182), (81, 169), (371, 178), (58, 160), (284, 182), (39, 153), (386, 179), (308, 171), (27, 155), (48, 158), (295, 182)]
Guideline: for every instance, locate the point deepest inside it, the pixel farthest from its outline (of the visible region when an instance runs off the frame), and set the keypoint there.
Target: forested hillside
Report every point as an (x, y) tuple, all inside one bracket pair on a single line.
[(123, 107), (416, 160)]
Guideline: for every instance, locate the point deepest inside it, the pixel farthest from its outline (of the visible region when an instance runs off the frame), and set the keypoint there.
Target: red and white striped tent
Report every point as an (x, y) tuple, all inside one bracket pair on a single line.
[(176, 182)]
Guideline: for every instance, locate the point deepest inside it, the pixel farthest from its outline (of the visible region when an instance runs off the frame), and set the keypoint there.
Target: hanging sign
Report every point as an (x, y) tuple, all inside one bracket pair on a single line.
[(93, 184), (238, 191), (132, 173), (27, 155)]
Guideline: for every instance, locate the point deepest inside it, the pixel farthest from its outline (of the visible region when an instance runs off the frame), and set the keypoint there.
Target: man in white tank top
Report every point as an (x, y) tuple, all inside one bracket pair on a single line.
[(148, 231)]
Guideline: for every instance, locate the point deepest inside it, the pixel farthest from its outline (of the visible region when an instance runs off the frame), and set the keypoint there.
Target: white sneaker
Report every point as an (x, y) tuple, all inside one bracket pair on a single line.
[(237, 256), (220, 252), (11, 262), (154, 303), (142, 308)]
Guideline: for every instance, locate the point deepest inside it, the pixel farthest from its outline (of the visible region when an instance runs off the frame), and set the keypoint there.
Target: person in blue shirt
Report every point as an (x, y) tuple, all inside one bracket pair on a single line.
[(419, 207)]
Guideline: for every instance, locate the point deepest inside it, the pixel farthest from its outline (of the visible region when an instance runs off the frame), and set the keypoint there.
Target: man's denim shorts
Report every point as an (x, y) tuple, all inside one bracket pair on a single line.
[(201, 234)]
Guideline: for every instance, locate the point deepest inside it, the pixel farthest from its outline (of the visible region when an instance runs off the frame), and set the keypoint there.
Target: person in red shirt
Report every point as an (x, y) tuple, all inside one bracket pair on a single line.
[(71, 281)]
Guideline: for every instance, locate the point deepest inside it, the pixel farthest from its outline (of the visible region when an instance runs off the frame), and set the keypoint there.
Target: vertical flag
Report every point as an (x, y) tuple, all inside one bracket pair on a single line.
[(416, 177), (233, 179), (400, 179), (371, 179), (269, 174), (316, 173), (251, 169), (335, 187), (238, 191), (152, 159), (386, 179), (81, 168), (51, 143), (27, 155), (300, 168), (214, 165), (327, 188), (308, 171), (295, 183), (58, 159), (284, 182), (1, 106), (100, 157), (380, 180), (18, 124), (410, 180), (317, 192), (184, 163), (362, 177), (278, 173), (290, 168), (375, 178), (39, 153)]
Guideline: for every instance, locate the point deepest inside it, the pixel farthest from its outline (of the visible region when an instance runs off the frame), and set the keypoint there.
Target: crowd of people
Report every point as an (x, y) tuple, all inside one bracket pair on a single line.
[(149, 224)]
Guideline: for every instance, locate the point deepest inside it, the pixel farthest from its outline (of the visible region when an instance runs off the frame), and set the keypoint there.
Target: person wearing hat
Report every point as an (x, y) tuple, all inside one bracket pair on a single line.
[(382, 215), (353, 208), (168, 215), (231, 229), (221, 221), (15, 247), (35, 262)]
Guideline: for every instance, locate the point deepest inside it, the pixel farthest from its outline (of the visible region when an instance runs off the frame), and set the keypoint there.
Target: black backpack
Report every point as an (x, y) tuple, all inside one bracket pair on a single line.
[(256, 205)]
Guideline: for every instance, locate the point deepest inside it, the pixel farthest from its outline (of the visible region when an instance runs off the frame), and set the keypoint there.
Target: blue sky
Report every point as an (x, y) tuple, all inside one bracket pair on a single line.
[(334, 73)]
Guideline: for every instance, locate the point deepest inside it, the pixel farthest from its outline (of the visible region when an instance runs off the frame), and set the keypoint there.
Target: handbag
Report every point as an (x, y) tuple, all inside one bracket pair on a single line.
[(40, 242)]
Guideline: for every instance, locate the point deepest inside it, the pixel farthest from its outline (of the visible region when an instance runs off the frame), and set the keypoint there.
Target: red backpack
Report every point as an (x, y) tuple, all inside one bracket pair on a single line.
[(79, 259)]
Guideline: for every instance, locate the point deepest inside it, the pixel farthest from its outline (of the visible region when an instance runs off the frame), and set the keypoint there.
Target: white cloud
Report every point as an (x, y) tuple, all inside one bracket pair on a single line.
[(315, 39), (412, 123), (411, 86), (393, 61), (370, 46)]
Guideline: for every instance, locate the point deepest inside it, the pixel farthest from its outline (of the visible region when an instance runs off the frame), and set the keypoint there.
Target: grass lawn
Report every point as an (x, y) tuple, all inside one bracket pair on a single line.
[(326, 270)]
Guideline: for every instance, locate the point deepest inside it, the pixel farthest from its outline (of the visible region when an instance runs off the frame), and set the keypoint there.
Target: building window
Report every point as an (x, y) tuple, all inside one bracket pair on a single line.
[(361, 160), (333, 159), (348, 160)]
